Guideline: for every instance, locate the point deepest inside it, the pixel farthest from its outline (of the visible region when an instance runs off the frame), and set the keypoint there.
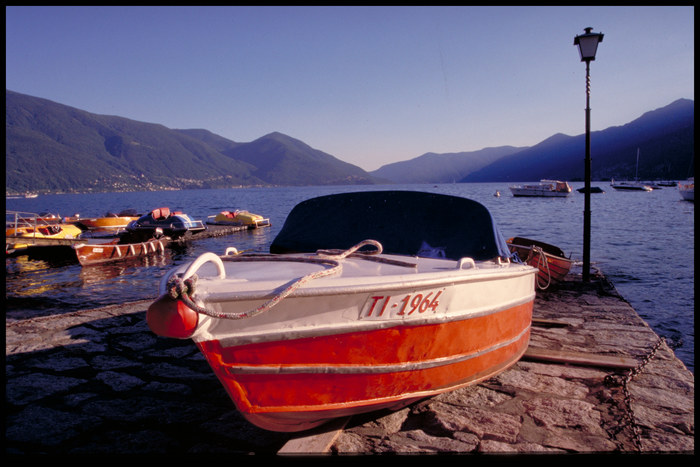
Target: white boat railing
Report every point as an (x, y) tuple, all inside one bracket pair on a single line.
[(18, 219)]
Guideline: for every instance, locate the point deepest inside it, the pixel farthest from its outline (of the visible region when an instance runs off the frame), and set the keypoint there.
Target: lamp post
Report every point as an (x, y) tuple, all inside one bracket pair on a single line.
[(587, 45)]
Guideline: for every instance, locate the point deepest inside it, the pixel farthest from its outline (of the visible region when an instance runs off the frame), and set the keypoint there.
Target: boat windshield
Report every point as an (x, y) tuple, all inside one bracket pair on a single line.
[(404, 222)]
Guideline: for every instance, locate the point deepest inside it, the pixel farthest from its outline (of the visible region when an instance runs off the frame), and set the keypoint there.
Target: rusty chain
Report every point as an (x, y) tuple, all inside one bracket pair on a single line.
[(612, 380)]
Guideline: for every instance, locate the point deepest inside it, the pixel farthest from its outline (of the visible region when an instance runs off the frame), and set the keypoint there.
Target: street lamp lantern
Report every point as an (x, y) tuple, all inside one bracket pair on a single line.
[(587, 46)]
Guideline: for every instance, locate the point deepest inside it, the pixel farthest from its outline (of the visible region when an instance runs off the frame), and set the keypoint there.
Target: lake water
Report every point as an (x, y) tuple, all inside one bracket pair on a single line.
[(642, 241)]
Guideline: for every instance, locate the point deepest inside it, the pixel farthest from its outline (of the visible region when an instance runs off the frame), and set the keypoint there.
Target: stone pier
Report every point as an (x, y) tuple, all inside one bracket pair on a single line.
[(99, 382)]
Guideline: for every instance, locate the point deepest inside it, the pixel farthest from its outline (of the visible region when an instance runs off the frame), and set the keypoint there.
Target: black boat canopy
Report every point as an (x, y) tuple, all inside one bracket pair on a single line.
[(404, 222)]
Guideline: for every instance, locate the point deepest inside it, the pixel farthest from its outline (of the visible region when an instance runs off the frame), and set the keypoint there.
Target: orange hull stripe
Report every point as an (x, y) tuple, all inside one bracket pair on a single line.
[(299, 392), (358, 391), (382, 346)]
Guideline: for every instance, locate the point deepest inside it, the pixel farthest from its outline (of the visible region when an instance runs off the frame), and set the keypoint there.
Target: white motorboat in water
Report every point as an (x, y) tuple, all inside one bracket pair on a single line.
[(545, 188), (687, 189)]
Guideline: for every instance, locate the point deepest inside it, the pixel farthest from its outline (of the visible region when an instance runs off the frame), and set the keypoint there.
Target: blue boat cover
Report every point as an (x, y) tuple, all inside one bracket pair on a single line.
[(405, 222)]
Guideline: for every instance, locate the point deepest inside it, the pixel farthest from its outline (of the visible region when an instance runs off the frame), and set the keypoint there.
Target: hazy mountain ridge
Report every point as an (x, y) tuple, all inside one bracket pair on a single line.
[(442, 168), (52, 147), (665, 138)]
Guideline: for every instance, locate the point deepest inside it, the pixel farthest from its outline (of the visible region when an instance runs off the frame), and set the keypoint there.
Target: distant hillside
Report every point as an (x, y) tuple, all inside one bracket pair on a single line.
[(665, 138), (51, 147), (281, 160), (54, 147), (442, 168)]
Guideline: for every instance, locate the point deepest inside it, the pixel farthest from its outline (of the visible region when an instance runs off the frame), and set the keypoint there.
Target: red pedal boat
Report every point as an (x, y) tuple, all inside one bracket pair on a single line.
[(323, 328)]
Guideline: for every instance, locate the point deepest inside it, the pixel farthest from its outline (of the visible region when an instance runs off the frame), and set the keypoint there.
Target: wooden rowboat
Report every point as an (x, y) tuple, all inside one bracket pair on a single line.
[(95, 253), (552, 263), (298, 338)]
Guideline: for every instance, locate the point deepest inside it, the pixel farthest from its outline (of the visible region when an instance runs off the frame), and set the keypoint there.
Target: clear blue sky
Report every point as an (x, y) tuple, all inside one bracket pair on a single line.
[(368, 85)]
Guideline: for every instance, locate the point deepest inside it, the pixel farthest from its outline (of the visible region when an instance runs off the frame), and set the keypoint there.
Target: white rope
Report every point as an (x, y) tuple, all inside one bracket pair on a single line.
[(183, 286), (540, 261)]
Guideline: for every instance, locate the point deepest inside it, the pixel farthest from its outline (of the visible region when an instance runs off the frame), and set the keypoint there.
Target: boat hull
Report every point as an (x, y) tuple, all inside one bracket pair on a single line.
[(57, 231), (549, 260), (545, 189), (687, 190), (632, 187), (687, 195), (537, 193), (98, 253), (106, 223), (239, 218), (367, 371), (379, 335)]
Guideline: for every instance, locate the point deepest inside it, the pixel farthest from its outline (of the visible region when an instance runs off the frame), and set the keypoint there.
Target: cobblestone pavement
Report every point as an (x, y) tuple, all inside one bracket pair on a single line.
[(99, 382), (555, 408)]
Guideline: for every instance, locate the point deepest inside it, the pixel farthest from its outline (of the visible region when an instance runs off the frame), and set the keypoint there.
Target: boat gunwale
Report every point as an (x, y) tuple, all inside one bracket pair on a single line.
[(398, 281), (265, 335), (543, 251)]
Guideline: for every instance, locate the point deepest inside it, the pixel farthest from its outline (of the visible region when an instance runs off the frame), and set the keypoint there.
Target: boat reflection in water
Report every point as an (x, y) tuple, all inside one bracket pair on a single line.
[(95, 273)]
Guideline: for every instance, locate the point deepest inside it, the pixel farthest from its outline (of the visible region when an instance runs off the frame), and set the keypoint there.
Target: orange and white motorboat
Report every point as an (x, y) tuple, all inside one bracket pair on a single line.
[(322, 328)]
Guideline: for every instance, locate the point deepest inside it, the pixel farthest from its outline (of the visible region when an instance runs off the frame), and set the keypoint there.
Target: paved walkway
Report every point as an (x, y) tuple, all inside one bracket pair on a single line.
[(99, 382), (537, 407)]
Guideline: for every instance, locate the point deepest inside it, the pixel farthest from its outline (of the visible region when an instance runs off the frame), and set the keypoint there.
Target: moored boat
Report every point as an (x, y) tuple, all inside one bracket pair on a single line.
[(108, 222), (171, 224), (545, 188), (550, 260), (320, 328), (636, 185), (22, 234), (239, 217), (96, 253), (593, 189), (687, 189), (630, 186), (652, 185), (665, 183)]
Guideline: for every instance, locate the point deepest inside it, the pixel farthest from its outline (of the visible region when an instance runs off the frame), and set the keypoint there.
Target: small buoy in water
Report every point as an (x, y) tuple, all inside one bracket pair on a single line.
[(497, 194)]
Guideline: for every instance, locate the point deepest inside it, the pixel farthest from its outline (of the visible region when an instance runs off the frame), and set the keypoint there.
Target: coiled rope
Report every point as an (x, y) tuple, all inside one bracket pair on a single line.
[(542, 263), (182, 286)]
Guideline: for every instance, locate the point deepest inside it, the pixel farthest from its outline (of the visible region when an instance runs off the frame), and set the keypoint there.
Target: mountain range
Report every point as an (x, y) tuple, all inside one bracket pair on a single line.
[(51, 147), (664, 137)]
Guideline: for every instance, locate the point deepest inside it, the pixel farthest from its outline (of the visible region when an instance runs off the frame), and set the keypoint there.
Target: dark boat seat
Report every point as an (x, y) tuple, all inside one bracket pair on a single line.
[(160, 213)]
